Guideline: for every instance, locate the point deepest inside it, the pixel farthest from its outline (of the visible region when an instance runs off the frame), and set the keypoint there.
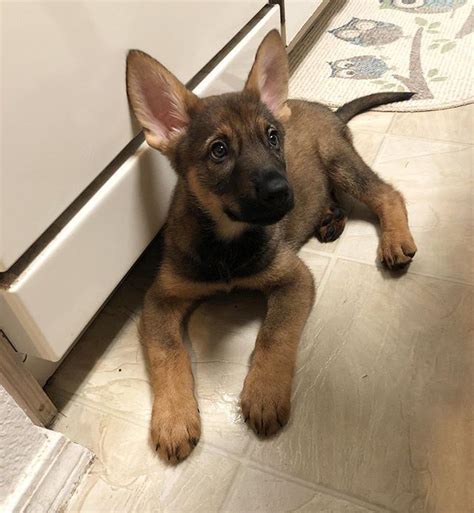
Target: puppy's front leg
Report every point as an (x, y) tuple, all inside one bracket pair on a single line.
[(175, 424), (266, 395), (349, 172)]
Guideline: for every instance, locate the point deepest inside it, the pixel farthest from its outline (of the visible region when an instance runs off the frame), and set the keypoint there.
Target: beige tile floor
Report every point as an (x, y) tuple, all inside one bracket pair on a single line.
[(382, 410)]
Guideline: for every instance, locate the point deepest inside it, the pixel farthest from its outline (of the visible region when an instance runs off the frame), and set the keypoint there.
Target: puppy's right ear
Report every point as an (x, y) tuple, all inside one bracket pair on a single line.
[(159, 100)]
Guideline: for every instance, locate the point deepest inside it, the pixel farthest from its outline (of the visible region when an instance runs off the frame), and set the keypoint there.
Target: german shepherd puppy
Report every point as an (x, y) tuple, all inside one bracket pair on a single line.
[(256, 179)]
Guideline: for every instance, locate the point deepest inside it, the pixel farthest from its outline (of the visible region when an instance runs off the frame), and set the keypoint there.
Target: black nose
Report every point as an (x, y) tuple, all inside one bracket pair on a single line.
[(273, 189)]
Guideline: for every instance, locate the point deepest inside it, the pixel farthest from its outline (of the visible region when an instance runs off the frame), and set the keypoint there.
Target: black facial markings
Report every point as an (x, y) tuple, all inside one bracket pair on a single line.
[(241, 121), (214, 259)]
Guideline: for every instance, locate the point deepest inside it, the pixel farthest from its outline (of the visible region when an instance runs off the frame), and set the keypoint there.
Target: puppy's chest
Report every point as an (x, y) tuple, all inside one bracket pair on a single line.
[(216, 260)]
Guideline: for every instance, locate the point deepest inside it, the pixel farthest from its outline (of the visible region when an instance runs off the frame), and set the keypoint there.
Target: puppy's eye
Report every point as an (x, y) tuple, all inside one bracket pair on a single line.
[(218, 151), (273, 138)]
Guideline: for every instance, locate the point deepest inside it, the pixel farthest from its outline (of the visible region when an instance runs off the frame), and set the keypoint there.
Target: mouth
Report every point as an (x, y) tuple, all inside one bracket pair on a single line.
[(259, 216)]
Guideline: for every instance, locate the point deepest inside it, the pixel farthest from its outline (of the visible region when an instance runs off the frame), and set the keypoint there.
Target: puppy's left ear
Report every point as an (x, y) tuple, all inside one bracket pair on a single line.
[(269, 75)]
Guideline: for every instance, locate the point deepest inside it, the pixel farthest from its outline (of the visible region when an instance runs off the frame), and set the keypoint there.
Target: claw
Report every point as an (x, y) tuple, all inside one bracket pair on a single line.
[(326, 220), (338, 213), (330, 233)]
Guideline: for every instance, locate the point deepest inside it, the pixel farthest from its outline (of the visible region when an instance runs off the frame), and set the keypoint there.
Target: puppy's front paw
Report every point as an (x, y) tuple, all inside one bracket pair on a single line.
[(266, 403), (397, 249), (175, 427)]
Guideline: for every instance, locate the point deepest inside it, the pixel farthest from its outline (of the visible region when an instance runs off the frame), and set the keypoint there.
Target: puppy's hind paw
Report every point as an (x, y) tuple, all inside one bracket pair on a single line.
[(332, 225)]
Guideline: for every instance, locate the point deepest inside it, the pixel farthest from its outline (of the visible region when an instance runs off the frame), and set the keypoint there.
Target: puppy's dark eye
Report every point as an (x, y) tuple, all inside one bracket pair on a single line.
[(218, 151), (273, 138)]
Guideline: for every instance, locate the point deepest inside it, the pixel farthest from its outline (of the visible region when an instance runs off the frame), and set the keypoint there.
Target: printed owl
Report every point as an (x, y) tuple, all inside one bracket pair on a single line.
[(361, 67), (368, 32), (423, 6)]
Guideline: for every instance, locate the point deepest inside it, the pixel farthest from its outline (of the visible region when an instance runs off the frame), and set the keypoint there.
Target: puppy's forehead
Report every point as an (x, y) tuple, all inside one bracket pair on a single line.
[(231, 113)]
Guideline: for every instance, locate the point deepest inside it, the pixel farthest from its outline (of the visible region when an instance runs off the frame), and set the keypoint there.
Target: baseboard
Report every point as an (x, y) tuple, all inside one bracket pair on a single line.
[(54, 476)]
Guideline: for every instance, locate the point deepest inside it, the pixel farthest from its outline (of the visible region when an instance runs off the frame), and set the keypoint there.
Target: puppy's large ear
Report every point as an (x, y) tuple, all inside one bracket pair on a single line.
[(160, 101), (269, 75)]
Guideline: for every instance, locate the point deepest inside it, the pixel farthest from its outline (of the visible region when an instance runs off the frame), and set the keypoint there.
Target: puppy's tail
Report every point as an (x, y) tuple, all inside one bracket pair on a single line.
[(351, 109)]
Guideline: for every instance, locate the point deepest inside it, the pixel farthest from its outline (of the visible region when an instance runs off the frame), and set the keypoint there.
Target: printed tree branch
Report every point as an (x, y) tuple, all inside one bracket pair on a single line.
[(416, 82), (467, 27)]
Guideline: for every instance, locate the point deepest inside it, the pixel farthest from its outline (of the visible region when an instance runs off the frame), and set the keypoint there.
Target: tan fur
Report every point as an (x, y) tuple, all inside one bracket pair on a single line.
[(213, 205), (319, 157)]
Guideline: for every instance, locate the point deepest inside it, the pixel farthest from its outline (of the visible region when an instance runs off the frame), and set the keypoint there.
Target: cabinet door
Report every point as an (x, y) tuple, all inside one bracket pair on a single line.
[(64, 112), (47, 306), (297, 14)]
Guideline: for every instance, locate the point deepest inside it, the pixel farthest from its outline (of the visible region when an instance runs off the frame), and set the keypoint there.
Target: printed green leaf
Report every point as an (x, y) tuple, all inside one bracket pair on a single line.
[(388, 86), (433, 72), (433, 31), (378, 81), (441, 40), (436, 24), (448, 46), (420, 21), (433, 46), (400, 88), (439, 79)]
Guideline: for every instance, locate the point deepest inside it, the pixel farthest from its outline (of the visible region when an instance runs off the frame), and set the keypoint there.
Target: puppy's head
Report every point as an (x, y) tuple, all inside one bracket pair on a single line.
[(228, 148)]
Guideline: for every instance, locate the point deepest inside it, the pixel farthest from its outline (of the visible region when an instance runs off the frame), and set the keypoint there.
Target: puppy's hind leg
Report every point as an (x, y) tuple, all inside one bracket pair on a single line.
[(352, 175), (332, 224)]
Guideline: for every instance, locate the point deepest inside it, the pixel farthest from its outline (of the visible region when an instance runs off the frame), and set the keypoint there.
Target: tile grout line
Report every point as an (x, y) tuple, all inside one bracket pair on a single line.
[(83, 401), (241, 459), (392, 121), (386, 135), (397, 113), (433, 154), (446, 141), (379, 267), (413, 273), (322, 286), (228, 492), (247, 462), (324, 490)]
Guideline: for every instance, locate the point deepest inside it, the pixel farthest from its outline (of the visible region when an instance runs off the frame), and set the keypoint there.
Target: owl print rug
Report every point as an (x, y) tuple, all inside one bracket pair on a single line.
[(359, 47)]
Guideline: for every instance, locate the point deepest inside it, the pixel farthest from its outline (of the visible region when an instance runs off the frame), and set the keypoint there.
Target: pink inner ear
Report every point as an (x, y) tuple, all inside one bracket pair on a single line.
[(269, 95), (165, 111), (271, 92)]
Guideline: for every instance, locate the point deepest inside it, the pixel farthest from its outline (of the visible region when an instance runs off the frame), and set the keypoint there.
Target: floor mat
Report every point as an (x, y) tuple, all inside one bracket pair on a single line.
[(369, 46)]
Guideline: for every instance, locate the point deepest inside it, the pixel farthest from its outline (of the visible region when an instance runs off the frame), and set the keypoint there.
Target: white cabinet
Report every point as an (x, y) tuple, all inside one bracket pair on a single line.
[(64, 112), (297, 14), (48, 305)]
